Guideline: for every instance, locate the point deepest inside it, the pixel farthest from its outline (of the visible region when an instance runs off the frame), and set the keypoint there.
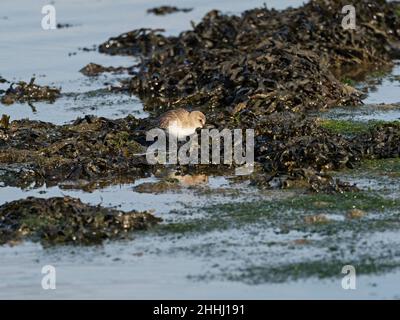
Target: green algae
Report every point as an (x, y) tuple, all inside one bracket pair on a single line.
[(320, 269), (322, 249), (291, 214), (348, 81), (389, 167), (182, 228), (347, 127), (341, 202)]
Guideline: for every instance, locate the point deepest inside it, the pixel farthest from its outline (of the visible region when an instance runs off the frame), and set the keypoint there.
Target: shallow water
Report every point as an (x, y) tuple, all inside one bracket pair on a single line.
[(381, 89), (162, 263), (364, 113), (388, 88)]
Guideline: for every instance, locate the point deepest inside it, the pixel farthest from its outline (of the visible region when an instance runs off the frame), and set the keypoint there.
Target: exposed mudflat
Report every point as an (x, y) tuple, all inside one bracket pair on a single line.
[(285, 232)]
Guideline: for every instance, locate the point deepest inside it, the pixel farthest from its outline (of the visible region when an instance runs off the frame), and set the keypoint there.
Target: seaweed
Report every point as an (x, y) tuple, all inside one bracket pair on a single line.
[(29, 92), (93, 69), (88, 150), (163, 10), (264, 60), (65, 220), (136, 42), (265, 69), (95, 151), (5, 122), (64, 25), (258, 69)]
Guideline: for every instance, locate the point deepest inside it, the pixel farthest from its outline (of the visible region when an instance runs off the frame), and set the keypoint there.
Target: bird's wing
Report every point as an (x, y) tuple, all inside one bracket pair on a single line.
[(177, 115)]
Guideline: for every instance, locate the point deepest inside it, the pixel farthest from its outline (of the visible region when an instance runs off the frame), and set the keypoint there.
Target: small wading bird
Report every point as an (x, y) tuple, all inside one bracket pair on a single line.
[(181, 123), (177, 123)]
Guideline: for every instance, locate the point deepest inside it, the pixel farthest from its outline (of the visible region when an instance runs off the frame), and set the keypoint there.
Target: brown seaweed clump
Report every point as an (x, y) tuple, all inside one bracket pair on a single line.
[(5, 122), (289, 142), (94, 69), (136, 42), (265, 69), (29, 92), (381, 141), (163, 10), (68, 221), (93, 152), (91, 149), (263, 60), (64, 25), (293, 147)]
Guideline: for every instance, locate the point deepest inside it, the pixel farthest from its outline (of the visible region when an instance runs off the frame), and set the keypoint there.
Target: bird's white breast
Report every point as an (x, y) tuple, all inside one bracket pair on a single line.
[(178, 131)]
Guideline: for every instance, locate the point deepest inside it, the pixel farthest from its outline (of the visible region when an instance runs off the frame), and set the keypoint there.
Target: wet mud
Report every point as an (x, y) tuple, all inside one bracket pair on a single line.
[(265, 70)]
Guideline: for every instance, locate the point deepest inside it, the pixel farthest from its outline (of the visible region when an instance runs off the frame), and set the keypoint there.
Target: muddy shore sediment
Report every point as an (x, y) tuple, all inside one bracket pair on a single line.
[(264, 70)]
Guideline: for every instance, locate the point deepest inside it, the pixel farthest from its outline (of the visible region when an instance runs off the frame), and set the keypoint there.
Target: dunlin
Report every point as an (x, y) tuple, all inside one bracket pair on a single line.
[(182, 123)]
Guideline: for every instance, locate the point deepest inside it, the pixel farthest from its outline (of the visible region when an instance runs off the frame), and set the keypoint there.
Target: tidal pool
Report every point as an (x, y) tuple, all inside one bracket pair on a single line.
[(220, 238)]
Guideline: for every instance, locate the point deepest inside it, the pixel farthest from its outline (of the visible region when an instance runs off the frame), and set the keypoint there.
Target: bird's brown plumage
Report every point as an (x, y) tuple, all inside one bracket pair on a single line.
[(182, 118)]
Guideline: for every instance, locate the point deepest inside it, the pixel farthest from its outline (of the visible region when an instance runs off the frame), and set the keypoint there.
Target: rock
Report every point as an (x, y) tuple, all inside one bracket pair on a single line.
[(316, 219), (356, 214)]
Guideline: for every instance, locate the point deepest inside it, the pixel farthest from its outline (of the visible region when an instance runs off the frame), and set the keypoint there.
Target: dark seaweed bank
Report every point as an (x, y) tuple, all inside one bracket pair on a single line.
[(263, 61), (294, 147), (265, 70), (67, 220), (92, 152)]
